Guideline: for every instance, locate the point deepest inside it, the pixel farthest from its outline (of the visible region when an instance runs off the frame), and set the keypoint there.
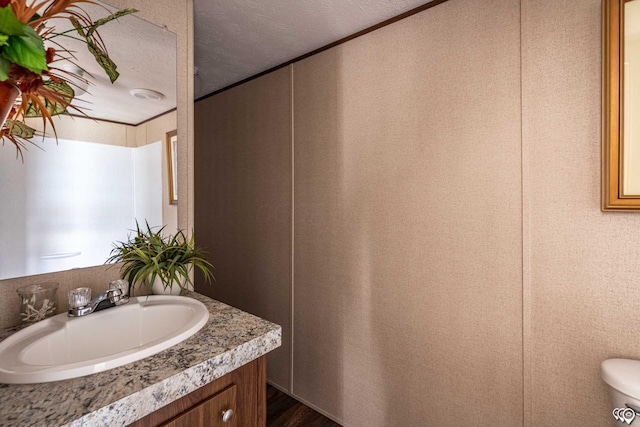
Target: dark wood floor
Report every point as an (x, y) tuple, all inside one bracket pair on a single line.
[(285, 411)]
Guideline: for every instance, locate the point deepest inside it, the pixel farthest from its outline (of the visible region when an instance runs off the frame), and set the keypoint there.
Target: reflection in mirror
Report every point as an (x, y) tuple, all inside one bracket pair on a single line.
[(65, 205)]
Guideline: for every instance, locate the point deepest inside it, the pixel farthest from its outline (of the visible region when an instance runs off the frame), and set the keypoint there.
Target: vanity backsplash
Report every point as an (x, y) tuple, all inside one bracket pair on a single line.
[(96, 278)]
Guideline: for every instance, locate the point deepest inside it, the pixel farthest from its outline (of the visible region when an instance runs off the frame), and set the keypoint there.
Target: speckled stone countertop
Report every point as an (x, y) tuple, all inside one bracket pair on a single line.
[(120, 396)]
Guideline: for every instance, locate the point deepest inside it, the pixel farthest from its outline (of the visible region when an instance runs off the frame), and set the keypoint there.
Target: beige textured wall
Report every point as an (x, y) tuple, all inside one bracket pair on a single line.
[(156, 129), (88, 130), (111, 133), (407, 287), (243, 202), (178, 17), (581, 265), (407, 274), (579, 289), (398, 291)]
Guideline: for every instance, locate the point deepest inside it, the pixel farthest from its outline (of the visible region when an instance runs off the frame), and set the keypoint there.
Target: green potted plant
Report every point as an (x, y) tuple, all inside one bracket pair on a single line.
[(162, 263)]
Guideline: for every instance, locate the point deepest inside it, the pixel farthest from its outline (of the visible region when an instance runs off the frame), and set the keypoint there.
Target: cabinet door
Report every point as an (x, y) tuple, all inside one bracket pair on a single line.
[(210, 412)]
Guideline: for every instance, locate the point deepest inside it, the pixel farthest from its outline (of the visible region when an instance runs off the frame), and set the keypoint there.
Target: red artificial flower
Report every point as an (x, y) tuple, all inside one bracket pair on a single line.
[(51, 53)]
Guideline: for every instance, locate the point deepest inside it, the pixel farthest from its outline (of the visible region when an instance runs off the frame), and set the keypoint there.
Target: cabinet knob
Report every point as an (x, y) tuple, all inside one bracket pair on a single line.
[(227, 415)]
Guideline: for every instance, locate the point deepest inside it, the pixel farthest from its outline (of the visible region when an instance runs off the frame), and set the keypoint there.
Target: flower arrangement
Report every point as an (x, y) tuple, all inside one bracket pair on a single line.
[(148, 257), (28, 67)]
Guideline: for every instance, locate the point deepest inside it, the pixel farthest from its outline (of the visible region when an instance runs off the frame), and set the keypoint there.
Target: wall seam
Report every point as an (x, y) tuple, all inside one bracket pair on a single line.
[(527, 413), (292, 225)]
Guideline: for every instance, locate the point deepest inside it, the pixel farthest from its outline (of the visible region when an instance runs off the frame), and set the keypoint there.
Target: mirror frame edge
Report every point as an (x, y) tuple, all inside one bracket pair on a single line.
[(612, 143)]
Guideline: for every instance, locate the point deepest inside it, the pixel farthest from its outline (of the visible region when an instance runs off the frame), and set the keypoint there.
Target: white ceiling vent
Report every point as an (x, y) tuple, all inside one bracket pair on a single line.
[(147, 94)]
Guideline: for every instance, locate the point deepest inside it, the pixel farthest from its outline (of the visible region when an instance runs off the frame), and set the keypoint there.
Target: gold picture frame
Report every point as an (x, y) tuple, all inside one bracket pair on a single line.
[(613, 198), (172, 166)]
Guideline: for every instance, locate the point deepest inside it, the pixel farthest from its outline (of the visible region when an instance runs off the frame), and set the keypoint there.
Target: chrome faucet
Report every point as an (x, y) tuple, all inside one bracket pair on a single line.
[(81, 304)]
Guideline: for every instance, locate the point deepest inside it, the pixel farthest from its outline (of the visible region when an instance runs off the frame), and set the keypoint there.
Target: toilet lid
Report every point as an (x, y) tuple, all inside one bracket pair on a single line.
[(623, 375)]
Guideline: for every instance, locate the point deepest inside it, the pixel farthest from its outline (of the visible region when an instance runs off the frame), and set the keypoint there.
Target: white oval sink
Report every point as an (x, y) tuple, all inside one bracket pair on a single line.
[(63, 347)]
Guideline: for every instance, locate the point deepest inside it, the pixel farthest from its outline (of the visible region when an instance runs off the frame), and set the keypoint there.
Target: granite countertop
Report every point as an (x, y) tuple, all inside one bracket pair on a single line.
[(120, 396)]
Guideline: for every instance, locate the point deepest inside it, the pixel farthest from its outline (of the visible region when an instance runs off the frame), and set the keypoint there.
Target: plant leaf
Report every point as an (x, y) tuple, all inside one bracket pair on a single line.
[(116, 15), (104, 61), (9, 23), (5, 66), (19, 129), (100, 55), (54, 108), (27, 51)]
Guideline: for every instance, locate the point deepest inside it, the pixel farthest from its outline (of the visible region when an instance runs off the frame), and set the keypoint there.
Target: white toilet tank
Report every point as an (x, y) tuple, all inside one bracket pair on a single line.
[(623, 378)]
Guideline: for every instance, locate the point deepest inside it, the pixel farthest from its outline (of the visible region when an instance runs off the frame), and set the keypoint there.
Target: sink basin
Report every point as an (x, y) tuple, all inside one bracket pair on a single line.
[(63, 347)]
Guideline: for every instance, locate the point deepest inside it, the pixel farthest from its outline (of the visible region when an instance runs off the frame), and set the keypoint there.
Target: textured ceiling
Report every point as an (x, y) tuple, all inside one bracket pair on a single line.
[(238, 39), (233, 40), (146, 58)]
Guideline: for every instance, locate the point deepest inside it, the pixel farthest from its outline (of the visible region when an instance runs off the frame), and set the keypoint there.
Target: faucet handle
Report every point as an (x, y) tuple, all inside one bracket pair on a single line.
[(122, 285), (79, 297), (118, 292)]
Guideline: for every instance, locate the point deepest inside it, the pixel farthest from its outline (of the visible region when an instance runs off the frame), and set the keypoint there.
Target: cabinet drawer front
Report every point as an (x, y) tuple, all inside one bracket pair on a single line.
[(210, 412)]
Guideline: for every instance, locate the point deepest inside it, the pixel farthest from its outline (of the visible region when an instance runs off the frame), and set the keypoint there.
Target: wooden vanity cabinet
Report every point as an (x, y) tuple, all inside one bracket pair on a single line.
[(218, 410), (243, 391)]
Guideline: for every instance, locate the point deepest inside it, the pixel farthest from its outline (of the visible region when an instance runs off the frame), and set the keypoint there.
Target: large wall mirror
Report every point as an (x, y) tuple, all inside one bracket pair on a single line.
[(64, 205)]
